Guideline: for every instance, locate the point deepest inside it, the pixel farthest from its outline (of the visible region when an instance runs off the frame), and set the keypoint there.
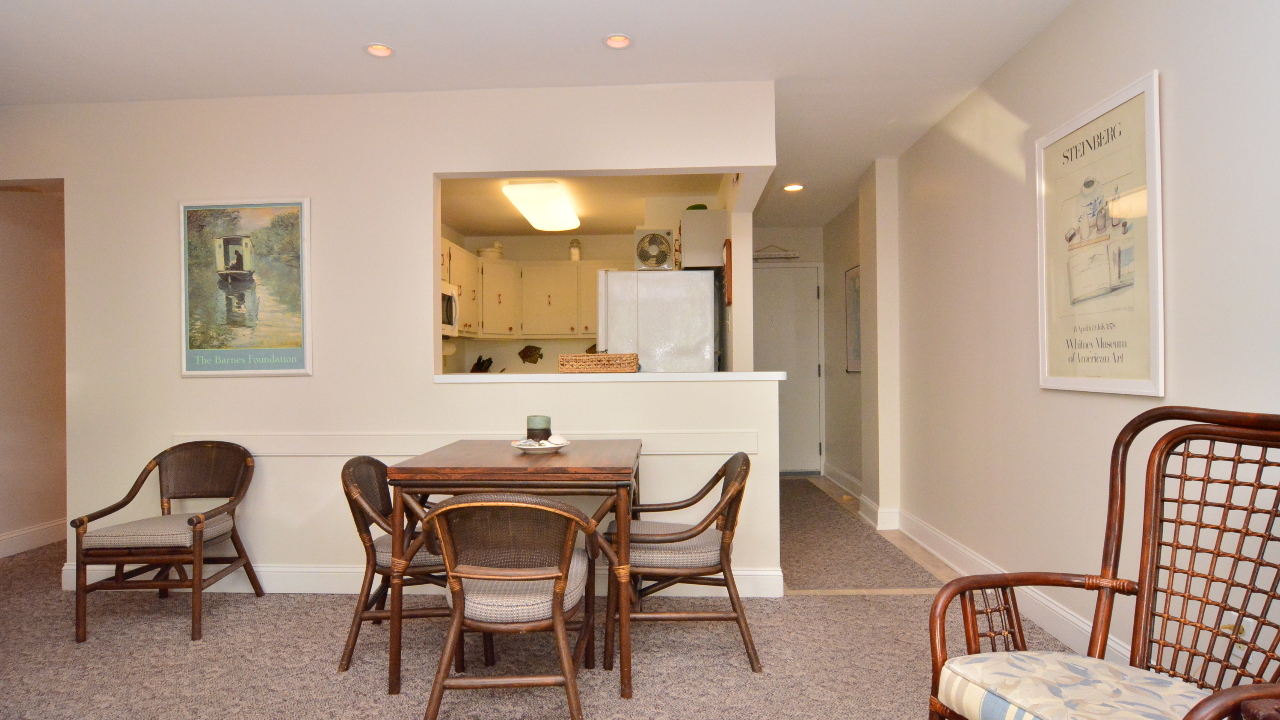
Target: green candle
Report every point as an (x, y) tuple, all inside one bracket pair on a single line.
[(538, 427)]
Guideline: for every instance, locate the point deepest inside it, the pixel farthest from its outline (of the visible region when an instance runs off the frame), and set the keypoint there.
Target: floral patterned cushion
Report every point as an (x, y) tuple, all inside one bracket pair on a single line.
[(1060, 686)]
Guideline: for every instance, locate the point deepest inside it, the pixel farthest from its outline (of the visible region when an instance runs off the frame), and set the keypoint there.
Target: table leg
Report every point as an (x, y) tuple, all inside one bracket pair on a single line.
[(396, 601), (623, 573)]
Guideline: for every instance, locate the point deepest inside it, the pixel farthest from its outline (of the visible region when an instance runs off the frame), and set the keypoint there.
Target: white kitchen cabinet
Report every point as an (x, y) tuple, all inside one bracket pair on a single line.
[(702, 236), (499, 298), (549, 298), (464, 272), (588, 289)]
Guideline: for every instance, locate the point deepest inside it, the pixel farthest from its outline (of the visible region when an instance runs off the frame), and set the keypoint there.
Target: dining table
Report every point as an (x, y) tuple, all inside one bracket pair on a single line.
[(582, 468)]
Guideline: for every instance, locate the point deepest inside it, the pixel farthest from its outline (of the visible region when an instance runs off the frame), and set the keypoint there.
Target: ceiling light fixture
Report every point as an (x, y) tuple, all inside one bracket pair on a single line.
[(545, 205), (379, 50), (793, 187), (618, 41)]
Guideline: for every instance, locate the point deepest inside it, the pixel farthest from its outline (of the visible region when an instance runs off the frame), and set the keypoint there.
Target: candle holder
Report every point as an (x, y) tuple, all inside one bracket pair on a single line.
[(538, 427)]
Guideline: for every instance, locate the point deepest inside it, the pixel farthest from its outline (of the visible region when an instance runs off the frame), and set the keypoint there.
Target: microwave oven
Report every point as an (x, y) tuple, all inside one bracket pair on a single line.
[(448, 310)]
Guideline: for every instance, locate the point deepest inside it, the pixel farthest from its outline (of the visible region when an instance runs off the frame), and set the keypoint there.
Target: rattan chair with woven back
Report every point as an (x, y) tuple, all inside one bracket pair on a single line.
[(168, 543), (665, 554), (513, 567), (1206, 626)]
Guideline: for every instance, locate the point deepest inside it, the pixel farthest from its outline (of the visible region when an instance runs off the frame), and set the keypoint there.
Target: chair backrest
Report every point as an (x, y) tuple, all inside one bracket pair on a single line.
[(366, 477), (1208, 601), (735, 470), (204, 469), (507, 530)]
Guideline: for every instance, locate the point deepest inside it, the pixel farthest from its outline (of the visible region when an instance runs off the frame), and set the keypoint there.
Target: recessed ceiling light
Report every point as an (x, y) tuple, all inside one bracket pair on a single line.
[(379, 50), (618, 41), (793, 187)]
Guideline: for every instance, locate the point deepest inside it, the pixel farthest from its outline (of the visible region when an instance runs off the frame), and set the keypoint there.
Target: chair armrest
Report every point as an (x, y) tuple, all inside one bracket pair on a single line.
[(222, 509), (938, 614), (128, 498), (681, 504), (1226, 703)]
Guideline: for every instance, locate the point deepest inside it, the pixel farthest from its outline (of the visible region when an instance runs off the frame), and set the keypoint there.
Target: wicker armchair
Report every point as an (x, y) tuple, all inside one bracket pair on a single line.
[(169, 542), (513, 568), (364, 482), (670, 553), (1206, 625)]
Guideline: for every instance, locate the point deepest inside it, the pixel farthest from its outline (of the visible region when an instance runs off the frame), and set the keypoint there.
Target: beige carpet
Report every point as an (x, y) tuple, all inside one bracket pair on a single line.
[(825, 547), (276, 657)]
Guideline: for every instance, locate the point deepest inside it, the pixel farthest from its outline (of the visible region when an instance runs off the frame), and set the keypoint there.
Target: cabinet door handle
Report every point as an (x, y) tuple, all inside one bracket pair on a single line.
[(571, 329), (499, 298), (510, 329), (585, 328)]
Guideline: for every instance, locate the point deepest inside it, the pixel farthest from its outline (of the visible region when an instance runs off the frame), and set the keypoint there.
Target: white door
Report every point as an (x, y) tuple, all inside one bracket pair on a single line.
[(788, 338)]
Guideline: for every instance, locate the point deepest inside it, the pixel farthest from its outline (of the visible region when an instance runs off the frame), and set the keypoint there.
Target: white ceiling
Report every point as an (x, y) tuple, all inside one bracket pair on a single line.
[(606, 204), (855, 80)]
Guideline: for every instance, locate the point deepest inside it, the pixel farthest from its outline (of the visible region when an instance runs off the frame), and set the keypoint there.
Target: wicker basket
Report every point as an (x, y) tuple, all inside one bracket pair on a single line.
[(600, 363)]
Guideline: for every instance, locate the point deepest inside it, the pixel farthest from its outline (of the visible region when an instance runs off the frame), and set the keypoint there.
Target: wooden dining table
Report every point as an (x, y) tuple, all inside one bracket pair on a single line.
[(584, 467)]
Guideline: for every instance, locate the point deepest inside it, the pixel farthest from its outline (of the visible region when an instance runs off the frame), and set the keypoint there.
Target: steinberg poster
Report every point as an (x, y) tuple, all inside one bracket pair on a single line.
[(1101, 319)]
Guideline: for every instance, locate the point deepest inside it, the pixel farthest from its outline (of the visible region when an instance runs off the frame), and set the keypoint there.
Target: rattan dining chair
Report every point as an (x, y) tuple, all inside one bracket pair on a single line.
[(364, 482), (1206, 626), (165, 544), (513, 568), (666, 554)]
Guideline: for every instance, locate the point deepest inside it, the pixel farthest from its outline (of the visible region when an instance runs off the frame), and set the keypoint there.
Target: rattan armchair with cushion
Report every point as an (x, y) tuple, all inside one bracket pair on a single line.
[(1206, 626), (665, 554), (364, 482), (166, 544), (513, 567)]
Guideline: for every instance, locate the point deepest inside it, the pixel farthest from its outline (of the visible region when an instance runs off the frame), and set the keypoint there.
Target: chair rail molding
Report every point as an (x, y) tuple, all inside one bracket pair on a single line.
[(410, 444), (1057, 619)]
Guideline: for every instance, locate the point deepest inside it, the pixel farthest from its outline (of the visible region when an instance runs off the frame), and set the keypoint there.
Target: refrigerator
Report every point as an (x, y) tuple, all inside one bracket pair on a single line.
[(670, 318)]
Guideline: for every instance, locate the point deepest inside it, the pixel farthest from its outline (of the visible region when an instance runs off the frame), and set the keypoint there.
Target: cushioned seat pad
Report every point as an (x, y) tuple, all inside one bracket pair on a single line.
[(519, 601), (1060, 686), (382, 554), (702, 550), (165, 531)]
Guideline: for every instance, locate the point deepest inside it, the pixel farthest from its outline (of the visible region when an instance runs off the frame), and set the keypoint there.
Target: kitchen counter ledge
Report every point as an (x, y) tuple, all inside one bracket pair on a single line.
[(483, 378)]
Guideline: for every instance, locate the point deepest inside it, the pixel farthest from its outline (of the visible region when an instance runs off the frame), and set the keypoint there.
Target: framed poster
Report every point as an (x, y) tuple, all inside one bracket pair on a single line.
[(852, 320), (245, 288), (1101, 271)]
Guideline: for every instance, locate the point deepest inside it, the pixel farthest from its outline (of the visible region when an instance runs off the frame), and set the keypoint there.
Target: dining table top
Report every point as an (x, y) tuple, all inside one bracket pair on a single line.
[(580, 460)]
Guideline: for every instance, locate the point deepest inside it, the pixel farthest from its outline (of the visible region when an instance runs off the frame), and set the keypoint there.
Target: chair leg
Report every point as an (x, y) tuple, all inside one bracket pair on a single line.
[(248, 566), (610, 612), (197, 596), (738, 610), (446, 659), (82, 630), (380, 597), (490, 657), (567, 666), (354, 634), (589, 617), (460, 654), (163, 574)]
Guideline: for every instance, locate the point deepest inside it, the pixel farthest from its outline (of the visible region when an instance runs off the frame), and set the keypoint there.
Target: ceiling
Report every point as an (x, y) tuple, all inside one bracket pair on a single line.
[(854, 80), (606, 205)]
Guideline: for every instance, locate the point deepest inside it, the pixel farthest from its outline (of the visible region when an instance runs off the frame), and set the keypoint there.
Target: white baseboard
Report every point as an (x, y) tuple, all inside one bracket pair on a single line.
[(345, 579), (868, 510), (30, 538), (848, 482), (888, 519), (1063, 623)]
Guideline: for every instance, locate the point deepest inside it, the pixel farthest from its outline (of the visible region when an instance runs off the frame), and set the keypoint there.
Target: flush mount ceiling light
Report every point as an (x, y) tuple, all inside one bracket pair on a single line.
[(545, 205), (379, 50), (618, 41), (793, 187)]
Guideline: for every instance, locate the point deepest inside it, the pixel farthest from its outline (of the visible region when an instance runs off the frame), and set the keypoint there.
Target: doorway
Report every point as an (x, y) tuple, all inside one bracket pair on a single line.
[(788, 337)]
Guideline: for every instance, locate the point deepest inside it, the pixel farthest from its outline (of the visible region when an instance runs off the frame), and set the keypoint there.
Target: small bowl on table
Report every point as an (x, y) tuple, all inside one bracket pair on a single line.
[(540, 447)]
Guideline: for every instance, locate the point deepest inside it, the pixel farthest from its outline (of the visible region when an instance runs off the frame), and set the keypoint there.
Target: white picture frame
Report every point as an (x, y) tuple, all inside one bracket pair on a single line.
[(853, 319), (245, 276), (1100, 251)]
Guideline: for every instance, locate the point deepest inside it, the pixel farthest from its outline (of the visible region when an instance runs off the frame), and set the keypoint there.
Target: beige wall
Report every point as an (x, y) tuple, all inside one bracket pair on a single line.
[(368, 163), (33, 437), (998, 473), (843, 447)]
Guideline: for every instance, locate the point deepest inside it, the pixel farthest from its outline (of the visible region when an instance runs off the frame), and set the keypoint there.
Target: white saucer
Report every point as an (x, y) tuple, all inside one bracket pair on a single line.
[(542, 450)]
